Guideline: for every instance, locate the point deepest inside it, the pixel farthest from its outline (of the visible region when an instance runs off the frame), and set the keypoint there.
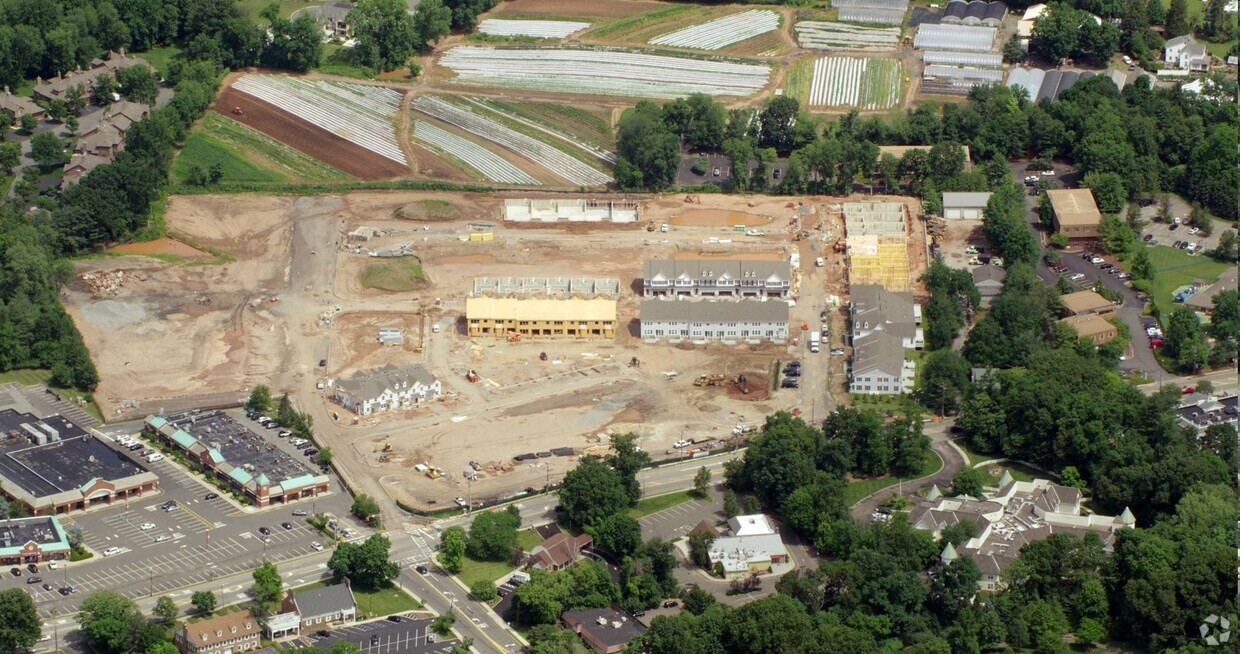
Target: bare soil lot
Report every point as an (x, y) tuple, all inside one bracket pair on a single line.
[(293, 296)]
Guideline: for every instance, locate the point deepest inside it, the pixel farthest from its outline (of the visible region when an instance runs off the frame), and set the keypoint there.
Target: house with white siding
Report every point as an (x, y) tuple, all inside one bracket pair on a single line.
[(386, 389), (746, 320)]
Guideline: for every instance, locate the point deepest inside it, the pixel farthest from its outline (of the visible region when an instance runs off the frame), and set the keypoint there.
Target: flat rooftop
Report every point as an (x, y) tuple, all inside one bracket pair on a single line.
[(241, 447), (60, 465), (43, 530), (1074, 206)]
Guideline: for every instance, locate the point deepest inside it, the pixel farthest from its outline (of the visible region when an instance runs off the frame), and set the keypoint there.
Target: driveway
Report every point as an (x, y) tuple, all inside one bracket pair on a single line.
[(954, 460)]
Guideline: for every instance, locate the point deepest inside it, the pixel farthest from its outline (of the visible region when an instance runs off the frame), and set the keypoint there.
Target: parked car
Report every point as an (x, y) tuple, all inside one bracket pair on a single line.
[(163, 538), (147, 526), (16, 572), (210, 496), (310, 451), (286, 525), (34, 569), (790, 382), (1192, 230), (316, 546), (460, 501), (1097, 260), (1148, 237), (1174, 226), (48, 587), (111, 551), (34, 580), (837, 352), (300, 513), (795, 372), (1077, 277)]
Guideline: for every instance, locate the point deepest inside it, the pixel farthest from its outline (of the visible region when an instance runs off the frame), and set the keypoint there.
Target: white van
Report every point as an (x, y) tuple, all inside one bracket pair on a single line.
[(155, 457), (815, 341)]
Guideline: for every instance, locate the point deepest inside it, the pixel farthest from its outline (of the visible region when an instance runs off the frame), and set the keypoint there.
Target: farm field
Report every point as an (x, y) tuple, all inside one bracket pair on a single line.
[(281, 123), (866, 83), (602, 72), (591, 9), (821, 35), (266, 152), (642, 27), (585, 125), (721, 32), (470, 155), (359, 114), (542, 29), (204, 152), (473, 118)]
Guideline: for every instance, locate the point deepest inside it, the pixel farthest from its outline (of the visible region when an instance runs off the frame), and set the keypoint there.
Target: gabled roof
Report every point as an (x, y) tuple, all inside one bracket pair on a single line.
[(1178, 41), (1084, 301), (989, 273), (374, 383), (326, 600), (219, 629), (560, 549), (965, 200), (1074, 206), (878, 351), (712, 312)]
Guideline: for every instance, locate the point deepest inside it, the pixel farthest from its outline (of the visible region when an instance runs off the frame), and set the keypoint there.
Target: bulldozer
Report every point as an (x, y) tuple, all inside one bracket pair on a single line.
[(710, 380), (514, 337), (238, 111), (742, 384), (471, 377)]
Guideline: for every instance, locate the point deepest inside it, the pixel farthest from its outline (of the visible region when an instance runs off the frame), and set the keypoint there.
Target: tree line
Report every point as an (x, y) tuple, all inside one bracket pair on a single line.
[(1151, 140)]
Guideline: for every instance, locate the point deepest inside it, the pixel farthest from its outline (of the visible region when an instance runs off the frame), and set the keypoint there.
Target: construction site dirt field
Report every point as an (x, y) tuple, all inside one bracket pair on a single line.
[(161, 247), (287, 309)]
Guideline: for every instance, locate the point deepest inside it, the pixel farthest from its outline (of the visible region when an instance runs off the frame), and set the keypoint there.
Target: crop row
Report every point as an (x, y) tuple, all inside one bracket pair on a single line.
[(543, 29), (490, 165), (602, 72), (838, 36), (356, 113), (486, 106), (863, 83), (722, 32), (557, 161)]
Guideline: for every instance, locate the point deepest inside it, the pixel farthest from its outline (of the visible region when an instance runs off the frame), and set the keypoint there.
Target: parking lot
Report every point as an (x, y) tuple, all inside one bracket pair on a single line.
[(158, 551), (408, 636)]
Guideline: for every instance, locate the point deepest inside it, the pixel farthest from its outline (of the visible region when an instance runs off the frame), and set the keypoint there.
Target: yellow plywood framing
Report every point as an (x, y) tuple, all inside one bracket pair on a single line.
[(879, 261)]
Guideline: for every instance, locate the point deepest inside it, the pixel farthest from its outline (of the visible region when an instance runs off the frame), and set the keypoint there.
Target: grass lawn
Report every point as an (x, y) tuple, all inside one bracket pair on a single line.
[(428, 210), (287, 7), (160, 57), (859, 490), (403, 274), (528, 539), (377, 603), (1174, 268), (659, 503), (35, 377), (800, 77), (206, 151), (473, 571), (972, 455), (266, 152), (1018, 471)]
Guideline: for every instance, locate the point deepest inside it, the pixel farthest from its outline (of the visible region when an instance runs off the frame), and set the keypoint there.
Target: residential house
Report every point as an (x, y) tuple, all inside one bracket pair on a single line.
[(387, 388), (19, 105), (1084, 303), (319, 607), (876, 309), (1185, 53), (1201, 410), (1076, 214), (1203, 301), (716, 278), (226, 634), (559, 551), (1096, 328), (105, 141), (746, 320), (988, 279), (57, 88), (1015, 514), (606, 630), (879, 366), (884, 324), (964, 206), (752, 547), (80, 164), (333, 18)]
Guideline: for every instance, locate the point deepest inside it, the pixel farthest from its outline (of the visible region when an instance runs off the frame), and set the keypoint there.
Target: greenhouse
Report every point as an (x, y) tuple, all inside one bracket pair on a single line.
[(983, 59), (955, 37), (872, 15)]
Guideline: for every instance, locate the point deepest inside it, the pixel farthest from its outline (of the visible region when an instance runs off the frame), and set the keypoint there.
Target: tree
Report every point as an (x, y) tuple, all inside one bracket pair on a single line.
[(970, 481), (20, 626), (365, 507), (591, 492), (325, 456), (730, 509), (47, 149), (203, 601), (452, 543), (165, 610), (28, 123), (260, 399), (484, 590), (618, 534), (1109, 190), (138, 84), (432, 21), (295, 45), (1142, 267), (1013, 51), (626, 458), (368, 565), (648, 151), (953, 588), (386, 33), (442, 625), (492, 536), (699, 548), (268, 585), (1226, 250), (1185, 341), (110, 622), (105, 86), (701, 481), (944, 379), (1177, 18), (11, 156)]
